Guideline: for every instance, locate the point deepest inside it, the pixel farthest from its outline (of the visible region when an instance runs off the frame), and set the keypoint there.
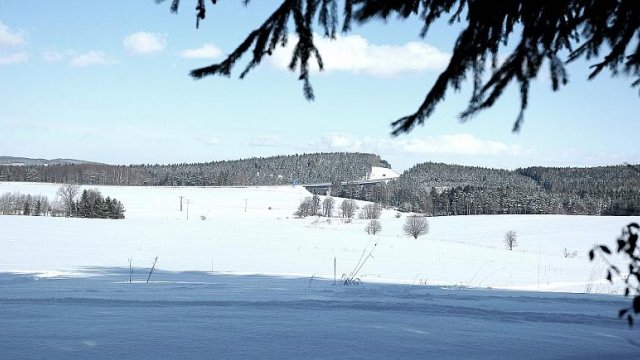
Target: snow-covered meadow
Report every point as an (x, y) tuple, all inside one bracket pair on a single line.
[(243, 278), (253, 231)]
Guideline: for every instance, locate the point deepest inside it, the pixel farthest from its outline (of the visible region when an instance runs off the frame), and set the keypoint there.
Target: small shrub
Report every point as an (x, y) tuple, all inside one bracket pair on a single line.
[(350, 280), (569, 254), (370, 211), (327, 206), (510, 240), (348, 208), (305, 208), (373, 227)]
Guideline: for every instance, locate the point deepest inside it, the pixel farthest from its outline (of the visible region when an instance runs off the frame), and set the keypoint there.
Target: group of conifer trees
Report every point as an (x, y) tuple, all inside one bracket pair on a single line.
[(93, 205), (437, 189), (274, 170)]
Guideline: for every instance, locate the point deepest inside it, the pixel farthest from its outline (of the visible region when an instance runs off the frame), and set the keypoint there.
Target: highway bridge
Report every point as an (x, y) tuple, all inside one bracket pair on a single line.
[(323, 188)]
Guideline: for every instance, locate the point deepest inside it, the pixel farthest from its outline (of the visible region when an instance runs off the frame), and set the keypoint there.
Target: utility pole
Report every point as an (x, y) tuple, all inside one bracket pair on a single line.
[(188, 202), (181, 197), (245, 205)]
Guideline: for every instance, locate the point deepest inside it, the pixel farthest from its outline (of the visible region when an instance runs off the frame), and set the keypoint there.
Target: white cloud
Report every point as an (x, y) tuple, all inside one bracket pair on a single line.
[(76, 59), (461, 144), (203, 139), (144, 43), (91, 58), (267, 140), (9, 37), (206, 51), (356, 54), (16, 58), (51, 56), (342, 142), (454, 144)]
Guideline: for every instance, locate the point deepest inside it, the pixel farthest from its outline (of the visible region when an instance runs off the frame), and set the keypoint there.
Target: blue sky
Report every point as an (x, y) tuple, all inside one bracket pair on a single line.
[(108, 81)]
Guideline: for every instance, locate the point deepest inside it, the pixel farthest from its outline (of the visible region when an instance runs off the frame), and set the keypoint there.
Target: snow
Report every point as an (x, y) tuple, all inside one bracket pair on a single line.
[(200, 315), (253, 281), (266, 239), (378, 173)]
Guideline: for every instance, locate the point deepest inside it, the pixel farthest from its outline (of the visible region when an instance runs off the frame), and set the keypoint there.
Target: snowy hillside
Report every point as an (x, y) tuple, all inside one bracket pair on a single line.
[(378, 173), (252, 231)]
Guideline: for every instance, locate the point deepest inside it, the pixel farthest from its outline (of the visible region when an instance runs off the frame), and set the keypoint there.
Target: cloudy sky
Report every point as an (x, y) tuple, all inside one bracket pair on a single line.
[(108, 81)]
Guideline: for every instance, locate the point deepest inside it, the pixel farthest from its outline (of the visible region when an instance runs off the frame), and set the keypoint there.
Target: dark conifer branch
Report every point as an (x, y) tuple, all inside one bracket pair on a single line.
[(546, 30)]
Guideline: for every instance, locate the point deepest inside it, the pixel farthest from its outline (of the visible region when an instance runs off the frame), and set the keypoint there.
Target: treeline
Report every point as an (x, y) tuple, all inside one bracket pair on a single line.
[(608, 190), (441, 189), (431, 188), (91, 204), (24, 204), (275, 170)]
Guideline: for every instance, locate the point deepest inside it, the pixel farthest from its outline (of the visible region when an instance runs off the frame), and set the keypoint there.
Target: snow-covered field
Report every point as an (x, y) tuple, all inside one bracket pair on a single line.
[(266, 239), (63, 292)]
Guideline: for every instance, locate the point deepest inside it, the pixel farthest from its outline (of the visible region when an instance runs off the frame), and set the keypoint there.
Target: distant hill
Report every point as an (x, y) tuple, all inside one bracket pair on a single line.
[(443, 189), (432, 188), (274, 170), (23, 161)]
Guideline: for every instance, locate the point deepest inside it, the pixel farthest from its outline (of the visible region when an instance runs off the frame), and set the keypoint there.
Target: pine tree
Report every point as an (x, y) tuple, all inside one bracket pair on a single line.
[(27, 208), (84, 207), (118, 209), (99, 208), (108, 208), (38, 209)]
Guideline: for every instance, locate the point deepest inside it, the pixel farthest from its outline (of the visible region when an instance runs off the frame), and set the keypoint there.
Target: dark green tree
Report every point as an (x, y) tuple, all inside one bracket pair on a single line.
[(26, 210), (38, 208), (84, 207), (99, 208), (108, 207), (118, 209), (555, 32)]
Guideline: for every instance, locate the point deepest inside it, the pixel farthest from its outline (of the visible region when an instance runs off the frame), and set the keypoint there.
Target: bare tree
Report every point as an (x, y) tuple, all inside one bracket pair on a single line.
[(315, 205), (370, 211), (327, 206), (17, 203), (57, 207), (348, 208), (6, 201), (93, 195), (510, 239), (68, 193), (305, 207), (373, 227), (415, 226)]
